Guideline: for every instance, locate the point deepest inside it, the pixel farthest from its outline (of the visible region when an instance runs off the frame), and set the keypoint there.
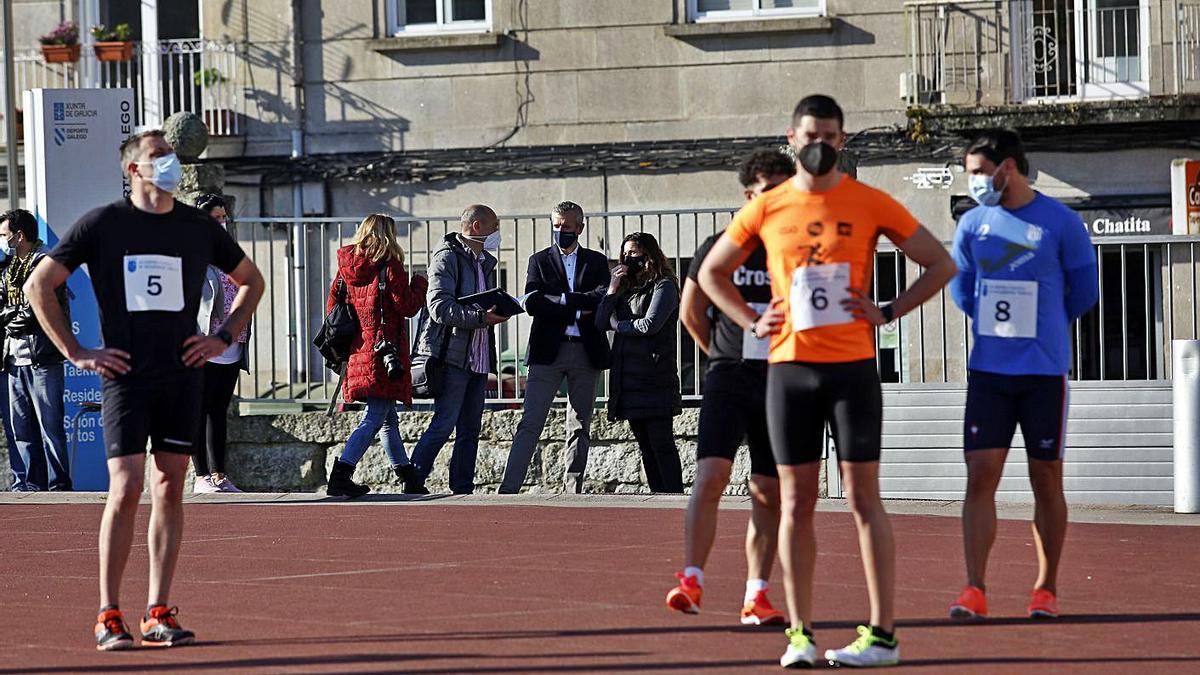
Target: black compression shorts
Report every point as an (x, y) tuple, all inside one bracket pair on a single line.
[(802, 397), (734, 408)]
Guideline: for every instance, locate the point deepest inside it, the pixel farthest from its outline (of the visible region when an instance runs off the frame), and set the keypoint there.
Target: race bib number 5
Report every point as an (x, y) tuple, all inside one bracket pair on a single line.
[(153, 283), (817, 294), (1008, 309)]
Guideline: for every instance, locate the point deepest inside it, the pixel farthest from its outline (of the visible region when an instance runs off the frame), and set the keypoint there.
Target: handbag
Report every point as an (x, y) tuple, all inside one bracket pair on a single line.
[(335, 339)]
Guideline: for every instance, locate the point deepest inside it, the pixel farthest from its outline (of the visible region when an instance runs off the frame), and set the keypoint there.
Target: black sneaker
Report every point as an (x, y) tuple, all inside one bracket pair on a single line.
[(111, 633), (160, 628)]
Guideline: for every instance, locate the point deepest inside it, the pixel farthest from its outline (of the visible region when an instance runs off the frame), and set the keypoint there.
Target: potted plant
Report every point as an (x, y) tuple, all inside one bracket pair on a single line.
[(219, 120), (61, 45), (112, 44)]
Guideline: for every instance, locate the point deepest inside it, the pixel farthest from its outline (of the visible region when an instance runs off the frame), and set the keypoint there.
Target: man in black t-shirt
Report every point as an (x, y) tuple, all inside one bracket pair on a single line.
[(146, 256), (734, 407)]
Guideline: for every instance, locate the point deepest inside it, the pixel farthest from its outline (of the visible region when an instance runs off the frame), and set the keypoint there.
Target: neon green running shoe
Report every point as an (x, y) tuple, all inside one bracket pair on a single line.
[(867, 651), (801, 651)]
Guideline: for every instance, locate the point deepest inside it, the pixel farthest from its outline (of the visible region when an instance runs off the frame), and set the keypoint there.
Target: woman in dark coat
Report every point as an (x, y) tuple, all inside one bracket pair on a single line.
[(360, 264), (642, 307)]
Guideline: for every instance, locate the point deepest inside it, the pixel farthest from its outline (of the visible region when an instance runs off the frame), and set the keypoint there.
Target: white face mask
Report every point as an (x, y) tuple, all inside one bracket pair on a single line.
[(167, 172), (490, 242)]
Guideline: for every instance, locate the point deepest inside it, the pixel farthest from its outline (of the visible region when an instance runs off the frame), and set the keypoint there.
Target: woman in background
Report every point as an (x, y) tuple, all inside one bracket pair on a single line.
[(221, 372), (383, 297), (642, 307)]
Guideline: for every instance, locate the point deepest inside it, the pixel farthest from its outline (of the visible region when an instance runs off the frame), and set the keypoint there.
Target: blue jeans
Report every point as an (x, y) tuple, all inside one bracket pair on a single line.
[(16, 465), (459, 410), (36, 404), (381, 415)]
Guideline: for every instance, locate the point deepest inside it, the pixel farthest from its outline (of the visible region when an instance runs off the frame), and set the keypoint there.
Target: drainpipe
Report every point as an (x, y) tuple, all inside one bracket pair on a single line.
[(299, 249), (10, 112)]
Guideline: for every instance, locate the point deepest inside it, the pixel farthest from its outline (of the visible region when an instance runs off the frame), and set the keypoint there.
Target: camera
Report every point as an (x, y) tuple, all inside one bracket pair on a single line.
[(389, 357)]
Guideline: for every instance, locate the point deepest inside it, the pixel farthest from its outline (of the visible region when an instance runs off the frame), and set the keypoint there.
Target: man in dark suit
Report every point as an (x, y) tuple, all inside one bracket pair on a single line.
[(563, 286)]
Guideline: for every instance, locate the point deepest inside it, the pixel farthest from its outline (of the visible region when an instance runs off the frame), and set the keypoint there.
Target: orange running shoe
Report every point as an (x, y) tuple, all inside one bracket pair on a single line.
[(1043, 605), (160, 628), (759, 612), (111, 633), (971, 604), (686, 596)]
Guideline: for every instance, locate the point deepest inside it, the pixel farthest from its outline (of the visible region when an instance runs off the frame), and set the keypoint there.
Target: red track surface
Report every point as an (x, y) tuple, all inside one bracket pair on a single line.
[(516, 589)]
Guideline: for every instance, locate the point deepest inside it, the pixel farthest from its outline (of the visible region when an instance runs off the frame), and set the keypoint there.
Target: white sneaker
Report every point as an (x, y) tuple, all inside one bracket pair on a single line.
[(225, 485), (205, 486), (865, 652), (801, 652)]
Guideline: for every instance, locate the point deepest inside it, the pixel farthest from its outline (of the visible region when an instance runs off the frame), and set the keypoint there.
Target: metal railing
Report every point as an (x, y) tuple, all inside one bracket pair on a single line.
[(188, 75), (1148, 297), (994, 52)]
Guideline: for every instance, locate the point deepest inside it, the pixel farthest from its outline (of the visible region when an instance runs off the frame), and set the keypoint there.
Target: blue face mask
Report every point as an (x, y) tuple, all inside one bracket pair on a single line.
[(983, 189), (167, 172)]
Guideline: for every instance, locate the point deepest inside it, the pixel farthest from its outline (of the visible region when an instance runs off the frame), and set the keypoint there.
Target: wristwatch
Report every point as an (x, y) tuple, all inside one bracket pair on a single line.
[(889, 312), (225, 337), (753, 327)]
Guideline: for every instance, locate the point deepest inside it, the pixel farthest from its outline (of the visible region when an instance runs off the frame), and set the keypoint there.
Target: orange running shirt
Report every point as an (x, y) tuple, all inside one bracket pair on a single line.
[(836, 229)]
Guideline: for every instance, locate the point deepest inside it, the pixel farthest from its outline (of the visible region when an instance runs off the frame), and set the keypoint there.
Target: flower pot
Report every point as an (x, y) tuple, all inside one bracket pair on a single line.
[(219, 121), (60, 53), (113, 51)]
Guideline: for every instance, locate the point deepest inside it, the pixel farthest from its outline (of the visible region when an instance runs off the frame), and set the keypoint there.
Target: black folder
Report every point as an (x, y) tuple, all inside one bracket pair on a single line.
[(505, 304)]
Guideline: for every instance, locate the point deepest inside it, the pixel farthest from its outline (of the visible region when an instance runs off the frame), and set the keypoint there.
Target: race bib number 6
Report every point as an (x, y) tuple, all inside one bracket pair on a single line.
[(817, 294), (1008, 309), (153, 283)]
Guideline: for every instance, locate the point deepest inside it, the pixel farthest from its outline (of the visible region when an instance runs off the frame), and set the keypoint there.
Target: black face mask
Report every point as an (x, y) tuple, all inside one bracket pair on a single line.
[(818, 158), (565, 239), (635, 263)]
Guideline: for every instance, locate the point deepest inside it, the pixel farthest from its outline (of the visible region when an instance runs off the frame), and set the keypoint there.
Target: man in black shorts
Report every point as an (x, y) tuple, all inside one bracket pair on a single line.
[(733, 409), (146, 256)]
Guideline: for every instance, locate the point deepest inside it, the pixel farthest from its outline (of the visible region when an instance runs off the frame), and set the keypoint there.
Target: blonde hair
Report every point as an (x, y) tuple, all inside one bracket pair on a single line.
[(376, 239)]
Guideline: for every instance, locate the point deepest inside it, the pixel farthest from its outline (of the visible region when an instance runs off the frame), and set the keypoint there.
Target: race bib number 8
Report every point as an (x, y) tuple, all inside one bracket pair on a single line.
[(153, 283), (817, 294), (1008, 309)]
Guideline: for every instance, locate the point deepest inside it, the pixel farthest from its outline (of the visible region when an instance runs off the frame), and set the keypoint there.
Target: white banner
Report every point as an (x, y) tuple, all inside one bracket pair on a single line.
[(72, 165)]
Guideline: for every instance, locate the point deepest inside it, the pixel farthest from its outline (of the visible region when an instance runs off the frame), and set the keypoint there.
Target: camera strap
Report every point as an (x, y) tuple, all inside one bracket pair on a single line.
[(381, 289)]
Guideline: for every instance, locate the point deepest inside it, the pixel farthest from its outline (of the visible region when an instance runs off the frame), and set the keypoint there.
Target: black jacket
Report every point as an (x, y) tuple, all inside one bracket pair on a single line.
[(20, 323), (546, 276), (644, 381)]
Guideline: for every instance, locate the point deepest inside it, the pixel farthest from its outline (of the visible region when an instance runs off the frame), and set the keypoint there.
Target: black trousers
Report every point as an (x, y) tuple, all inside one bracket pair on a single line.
[(656, 440), (219, 382)]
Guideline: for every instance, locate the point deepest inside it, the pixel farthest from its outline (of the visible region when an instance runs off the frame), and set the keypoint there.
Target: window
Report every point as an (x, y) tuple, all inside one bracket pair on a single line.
[(430, 16), (733, 10)]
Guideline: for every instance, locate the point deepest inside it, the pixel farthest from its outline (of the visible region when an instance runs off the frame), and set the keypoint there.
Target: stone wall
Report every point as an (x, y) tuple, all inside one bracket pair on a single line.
[(293, 453)]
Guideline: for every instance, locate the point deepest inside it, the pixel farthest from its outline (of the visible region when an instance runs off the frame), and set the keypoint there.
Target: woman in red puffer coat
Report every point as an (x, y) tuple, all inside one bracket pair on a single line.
[(374, 259)]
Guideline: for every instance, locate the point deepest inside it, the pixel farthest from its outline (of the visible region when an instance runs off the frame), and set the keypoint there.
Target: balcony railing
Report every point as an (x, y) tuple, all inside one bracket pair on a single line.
[(190, 75), (980, 52), (1187, 53)]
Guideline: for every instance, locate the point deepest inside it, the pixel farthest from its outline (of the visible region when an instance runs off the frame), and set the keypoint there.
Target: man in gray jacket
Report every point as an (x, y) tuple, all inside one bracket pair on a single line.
[(461, 338), (34, 365)]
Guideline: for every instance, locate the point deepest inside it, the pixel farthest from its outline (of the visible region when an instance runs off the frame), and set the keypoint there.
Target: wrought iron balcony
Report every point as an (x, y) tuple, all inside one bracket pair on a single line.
[(193, 75), (1014, 51)]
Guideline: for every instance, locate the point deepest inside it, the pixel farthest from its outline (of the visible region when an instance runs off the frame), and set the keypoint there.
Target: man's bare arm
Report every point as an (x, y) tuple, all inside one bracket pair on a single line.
[(925, 250), (716, 281), (198, 349), (694, 311)]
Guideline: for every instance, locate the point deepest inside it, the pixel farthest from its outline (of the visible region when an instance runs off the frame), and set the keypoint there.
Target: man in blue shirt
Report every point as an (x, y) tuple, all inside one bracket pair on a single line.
[(1027, 269)]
